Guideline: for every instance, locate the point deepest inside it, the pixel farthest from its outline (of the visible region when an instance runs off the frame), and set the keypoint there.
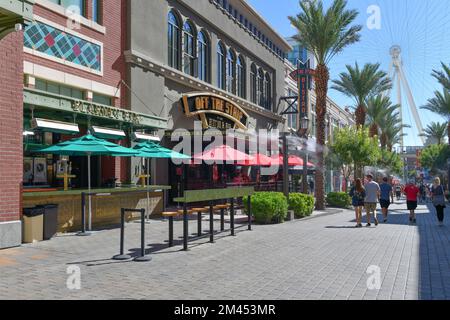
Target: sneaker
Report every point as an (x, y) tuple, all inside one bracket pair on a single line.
[(368, 225), (410, 219), (376, 222), (385, 220)]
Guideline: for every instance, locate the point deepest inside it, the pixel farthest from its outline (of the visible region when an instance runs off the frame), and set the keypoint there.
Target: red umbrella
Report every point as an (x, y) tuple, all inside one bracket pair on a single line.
[(293, 161), (223, 153), (258, 160)]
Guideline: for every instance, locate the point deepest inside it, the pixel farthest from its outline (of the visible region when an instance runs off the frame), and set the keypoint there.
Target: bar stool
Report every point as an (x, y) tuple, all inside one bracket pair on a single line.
[(200, 211), (170, 215), (222, 208)]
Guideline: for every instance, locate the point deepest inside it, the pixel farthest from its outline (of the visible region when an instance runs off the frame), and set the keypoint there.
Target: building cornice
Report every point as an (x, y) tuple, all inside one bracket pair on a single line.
[(147, 63)]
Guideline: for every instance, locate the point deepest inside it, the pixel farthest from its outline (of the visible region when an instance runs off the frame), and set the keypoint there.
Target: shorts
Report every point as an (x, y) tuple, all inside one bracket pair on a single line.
[(412, 205), (371, 207), (385, 203)]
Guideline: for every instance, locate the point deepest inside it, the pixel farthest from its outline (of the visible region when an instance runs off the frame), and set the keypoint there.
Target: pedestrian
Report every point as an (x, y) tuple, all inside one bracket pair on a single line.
[(358, 194), (438, 198), (422, 193), (371, 200), (412, 192), (311, 186), (385, 195), (398, 192)]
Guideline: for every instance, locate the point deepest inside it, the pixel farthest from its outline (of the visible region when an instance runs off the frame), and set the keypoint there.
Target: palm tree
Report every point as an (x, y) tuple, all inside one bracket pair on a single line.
[(392, 135), (436, 131), (324, 34), (361, 84), (379, 109), (443, 76), (440, 105)]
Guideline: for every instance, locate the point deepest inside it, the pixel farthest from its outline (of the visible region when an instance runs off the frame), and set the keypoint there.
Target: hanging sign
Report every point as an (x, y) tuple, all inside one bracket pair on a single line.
[(215, 111)]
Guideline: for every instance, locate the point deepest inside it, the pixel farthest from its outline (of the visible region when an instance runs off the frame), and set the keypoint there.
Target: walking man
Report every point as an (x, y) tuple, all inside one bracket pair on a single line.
[(385, 196), (372, 197), (412, 193)]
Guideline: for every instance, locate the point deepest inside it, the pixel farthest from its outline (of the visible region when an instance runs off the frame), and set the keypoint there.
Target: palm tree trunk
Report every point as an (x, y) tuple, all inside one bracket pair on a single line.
[(360, 115), (383, 141), (448, 132), (321, 81), (373, 131)]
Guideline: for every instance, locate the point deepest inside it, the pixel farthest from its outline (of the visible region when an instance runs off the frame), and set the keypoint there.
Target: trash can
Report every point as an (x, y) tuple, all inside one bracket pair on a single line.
[(50, 220), (33, 224)]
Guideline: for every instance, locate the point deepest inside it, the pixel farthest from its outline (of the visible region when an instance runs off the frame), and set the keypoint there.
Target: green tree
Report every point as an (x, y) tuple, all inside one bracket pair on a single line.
[(325, 33), (379, 110), (443, 76), (436, 132), (434, 157), (361, 85), (390, 161), (440, 104), (353, 147)]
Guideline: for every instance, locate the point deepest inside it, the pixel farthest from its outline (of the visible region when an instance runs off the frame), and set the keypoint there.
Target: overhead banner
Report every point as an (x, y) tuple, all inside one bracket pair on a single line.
[(215, 111)]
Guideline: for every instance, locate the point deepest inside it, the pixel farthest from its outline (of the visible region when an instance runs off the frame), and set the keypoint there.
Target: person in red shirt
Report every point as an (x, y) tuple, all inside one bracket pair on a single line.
[(411, 191)]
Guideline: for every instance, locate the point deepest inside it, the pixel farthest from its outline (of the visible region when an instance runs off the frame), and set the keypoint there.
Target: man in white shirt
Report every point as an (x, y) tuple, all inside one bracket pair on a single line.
[(372, 198)]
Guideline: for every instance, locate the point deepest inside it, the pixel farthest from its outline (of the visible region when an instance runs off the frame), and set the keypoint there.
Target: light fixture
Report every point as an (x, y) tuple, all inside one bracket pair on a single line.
[(304, 123), (28, 133), (139, 136), (54, 126), (108, 133)]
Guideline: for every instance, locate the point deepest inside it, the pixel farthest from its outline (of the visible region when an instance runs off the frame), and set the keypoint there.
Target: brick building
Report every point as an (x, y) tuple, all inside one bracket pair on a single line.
[(61, 77)]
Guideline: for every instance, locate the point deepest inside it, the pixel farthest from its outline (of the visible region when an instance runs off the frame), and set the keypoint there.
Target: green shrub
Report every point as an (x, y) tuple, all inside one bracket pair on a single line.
[(302, 204), (339, 199), (268, 207)]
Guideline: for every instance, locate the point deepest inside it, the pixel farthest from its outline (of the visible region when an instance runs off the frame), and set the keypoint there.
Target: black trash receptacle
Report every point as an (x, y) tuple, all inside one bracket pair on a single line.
[(50, 220)]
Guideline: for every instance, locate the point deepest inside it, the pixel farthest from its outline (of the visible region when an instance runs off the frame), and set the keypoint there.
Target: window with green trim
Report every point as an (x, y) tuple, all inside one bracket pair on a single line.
[(101, 99), (59, 89)]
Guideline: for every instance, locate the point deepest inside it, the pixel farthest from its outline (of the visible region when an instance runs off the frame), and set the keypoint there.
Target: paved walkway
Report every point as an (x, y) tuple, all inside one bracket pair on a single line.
[(319, 258)]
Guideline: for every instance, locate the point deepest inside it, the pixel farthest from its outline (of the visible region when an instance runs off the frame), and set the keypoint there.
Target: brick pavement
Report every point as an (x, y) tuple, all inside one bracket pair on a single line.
[(319, 258)]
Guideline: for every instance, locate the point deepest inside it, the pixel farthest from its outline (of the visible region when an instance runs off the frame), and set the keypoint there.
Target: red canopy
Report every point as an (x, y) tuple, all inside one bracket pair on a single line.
[(258, 160), (223, 153), (293, 161)]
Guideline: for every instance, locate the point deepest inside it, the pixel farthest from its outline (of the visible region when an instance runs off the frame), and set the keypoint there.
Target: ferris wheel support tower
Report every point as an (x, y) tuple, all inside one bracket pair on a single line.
[(397, 74)]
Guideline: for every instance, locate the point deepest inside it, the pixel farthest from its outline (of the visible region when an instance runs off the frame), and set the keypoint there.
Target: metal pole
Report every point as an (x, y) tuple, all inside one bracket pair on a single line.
[(249, 206), (148, 188), (211, 222), (185, 228), (89, 188), (305, 172), (83, 216), (121, 255), (285, 166), (232, 217), (143, 257)]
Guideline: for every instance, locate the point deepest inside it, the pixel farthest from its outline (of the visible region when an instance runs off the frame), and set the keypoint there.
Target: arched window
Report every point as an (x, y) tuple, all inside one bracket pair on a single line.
[(261, 88), (240, 75), (253, 84), (203, 56), (231, 72), (189, 49), (268, 92), (220, 66), (174, 41)]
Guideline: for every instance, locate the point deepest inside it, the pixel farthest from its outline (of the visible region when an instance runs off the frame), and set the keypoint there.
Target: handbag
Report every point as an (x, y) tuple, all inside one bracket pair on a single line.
[(439, 200)]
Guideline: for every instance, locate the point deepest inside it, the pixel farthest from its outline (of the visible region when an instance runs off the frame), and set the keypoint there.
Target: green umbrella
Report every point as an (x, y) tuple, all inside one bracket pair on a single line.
[(89, 145), (153, 150)]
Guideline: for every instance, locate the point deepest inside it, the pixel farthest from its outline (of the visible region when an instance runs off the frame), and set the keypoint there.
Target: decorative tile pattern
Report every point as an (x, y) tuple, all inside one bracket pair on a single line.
[(59, 44)]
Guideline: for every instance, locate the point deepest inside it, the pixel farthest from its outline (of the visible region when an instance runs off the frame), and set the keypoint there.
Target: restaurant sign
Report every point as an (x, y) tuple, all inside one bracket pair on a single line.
[(215, 111), (103, 111)]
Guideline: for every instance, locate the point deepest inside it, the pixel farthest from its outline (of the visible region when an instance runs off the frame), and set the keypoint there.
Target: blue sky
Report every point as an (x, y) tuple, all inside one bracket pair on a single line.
[(420, 27)]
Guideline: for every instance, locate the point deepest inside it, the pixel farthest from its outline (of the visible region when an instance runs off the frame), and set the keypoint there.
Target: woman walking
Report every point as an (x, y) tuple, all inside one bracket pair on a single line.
[(438, 197), (358, 194)]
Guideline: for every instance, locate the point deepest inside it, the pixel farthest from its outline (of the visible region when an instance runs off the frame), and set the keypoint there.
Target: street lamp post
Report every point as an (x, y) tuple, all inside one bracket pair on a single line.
[(448, 173), (304, 125)]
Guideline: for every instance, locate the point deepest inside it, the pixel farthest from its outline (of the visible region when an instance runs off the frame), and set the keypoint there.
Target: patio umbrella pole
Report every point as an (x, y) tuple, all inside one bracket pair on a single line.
[(148, 191), (89, 190)]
